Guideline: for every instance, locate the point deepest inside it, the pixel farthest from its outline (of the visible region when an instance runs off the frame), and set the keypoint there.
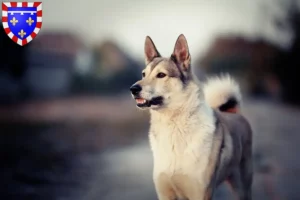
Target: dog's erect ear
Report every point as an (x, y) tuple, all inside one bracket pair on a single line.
[(181, 53), (150, 50)]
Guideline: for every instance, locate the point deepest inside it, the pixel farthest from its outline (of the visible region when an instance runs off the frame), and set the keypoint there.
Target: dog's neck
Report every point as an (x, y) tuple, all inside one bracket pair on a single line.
[(189, 105)]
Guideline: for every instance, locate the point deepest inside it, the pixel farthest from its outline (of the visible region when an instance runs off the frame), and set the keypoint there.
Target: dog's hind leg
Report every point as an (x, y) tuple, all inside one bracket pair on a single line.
[(236, 183), (241, 180), (246, 170)]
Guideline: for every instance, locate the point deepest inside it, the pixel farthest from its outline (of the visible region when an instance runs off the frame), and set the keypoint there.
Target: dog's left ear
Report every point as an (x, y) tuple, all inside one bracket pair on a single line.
[(181, 53)]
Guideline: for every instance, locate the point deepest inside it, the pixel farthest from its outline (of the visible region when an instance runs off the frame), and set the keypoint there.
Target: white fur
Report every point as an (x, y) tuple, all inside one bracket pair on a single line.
[(181, 139), (217, 90)]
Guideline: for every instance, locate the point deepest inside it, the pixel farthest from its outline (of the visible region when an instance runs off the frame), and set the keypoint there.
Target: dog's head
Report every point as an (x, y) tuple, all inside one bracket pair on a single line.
[(163, 79)]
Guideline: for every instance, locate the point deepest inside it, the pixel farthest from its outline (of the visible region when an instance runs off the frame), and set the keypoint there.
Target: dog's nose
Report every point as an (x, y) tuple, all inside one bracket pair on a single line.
[(135, 89)]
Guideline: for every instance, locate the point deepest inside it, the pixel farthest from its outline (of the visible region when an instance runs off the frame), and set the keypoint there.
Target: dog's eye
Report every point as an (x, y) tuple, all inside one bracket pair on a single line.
[(143, 74), (160, 75)]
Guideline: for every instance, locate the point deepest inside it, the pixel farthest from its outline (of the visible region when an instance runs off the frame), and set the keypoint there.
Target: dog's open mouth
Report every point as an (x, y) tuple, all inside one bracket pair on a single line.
[(141, 102)]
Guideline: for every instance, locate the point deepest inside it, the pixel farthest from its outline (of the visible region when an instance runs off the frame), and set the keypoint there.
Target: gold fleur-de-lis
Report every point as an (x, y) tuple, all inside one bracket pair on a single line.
[(22, 33), (14, 21), (29, 21)]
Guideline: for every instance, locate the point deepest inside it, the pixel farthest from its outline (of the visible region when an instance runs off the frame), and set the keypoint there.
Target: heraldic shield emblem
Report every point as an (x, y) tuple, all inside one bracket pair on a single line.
[(22, 21)]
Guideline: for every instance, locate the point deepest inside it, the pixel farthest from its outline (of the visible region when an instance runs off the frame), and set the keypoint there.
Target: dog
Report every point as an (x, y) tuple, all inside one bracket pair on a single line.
[(197, 135)]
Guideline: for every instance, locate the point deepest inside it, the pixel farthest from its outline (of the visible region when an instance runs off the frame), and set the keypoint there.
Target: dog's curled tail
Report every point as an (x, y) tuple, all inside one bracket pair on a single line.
[(223, 93)]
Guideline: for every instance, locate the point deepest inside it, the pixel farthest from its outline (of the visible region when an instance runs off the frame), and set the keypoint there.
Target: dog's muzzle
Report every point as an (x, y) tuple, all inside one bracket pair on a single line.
[(141, 102)]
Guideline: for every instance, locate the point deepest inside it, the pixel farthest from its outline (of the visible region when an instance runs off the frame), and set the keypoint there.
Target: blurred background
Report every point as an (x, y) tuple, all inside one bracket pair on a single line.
[(68, 126)]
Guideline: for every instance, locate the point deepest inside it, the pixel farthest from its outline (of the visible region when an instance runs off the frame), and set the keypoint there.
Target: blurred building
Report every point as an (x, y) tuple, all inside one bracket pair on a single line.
[(113, 71), (51, 63), (110, 59), (250, 61)]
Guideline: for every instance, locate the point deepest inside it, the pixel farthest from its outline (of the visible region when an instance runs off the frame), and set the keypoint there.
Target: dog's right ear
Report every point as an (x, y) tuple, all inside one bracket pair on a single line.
[(150, 51)]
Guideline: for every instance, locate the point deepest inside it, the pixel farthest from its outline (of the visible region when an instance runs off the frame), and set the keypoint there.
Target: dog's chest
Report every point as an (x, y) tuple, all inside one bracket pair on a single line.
[(178, 148)]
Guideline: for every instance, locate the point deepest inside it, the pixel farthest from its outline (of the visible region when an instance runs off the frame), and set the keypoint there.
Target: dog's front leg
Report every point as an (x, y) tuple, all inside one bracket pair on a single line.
[(202, 194), (197, 190), (199, 194), (164, 188), (209, 194)]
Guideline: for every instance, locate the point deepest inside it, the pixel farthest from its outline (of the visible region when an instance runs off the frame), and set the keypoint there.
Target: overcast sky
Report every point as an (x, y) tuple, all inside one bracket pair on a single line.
[(129, 21)]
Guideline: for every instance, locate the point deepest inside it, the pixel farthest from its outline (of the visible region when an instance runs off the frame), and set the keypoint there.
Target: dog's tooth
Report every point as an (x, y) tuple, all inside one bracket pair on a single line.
[(140, 101)]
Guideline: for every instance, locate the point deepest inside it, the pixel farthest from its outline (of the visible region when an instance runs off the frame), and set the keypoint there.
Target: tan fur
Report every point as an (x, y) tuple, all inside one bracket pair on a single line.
[(195, 147)]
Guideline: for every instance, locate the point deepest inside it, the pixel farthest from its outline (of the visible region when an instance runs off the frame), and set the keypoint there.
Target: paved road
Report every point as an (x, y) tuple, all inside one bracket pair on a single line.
[(58, 162)]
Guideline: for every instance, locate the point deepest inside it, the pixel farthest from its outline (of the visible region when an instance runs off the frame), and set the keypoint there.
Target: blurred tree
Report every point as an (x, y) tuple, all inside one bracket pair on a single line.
[(289, 61)]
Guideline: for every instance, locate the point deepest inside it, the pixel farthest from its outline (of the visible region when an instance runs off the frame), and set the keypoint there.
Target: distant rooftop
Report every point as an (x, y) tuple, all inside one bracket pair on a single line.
[(58, 42)]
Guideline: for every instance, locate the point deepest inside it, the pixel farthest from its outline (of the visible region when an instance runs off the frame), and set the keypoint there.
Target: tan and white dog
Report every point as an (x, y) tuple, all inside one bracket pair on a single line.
[(197, 137)]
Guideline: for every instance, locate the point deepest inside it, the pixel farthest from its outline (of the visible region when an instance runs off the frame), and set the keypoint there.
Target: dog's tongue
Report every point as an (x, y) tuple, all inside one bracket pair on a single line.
[(140, 101)]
